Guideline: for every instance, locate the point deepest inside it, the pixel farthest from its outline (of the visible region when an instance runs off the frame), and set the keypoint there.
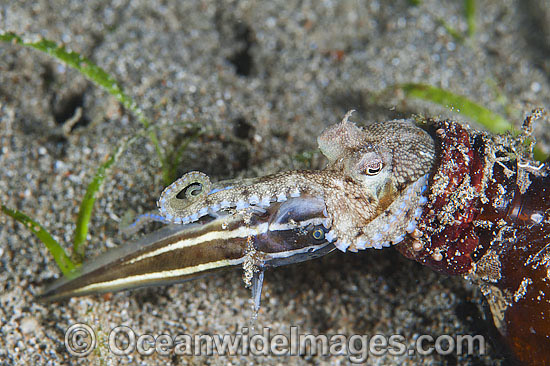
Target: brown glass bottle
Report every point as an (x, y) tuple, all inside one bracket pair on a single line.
[(488, 218)]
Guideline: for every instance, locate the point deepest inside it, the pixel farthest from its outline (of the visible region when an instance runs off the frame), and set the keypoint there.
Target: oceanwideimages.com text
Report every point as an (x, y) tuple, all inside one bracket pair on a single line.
[(81, 340)]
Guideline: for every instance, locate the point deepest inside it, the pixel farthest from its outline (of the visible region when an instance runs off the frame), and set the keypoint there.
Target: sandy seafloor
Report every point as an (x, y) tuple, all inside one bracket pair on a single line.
[(262, 79)]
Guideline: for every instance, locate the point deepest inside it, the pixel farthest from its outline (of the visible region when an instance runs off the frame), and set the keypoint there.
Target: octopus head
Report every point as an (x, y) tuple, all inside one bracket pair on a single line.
[(383, 168)]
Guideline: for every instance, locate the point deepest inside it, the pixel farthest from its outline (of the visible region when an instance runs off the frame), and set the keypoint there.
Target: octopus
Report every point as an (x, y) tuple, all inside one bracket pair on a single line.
[(460, 201), (371, 197)]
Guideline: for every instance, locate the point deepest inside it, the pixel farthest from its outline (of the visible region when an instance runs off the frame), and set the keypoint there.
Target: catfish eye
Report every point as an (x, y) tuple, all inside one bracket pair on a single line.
[(318, 234), (373, 168)]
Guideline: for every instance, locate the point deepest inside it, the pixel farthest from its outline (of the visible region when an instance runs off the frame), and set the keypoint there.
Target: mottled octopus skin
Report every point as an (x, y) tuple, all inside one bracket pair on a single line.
[(487, 218)]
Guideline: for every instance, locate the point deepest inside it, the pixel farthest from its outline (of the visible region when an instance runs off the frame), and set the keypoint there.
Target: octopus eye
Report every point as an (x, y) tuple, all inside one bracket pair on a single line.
[(373, 168), (318, 234), (191, 191)]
